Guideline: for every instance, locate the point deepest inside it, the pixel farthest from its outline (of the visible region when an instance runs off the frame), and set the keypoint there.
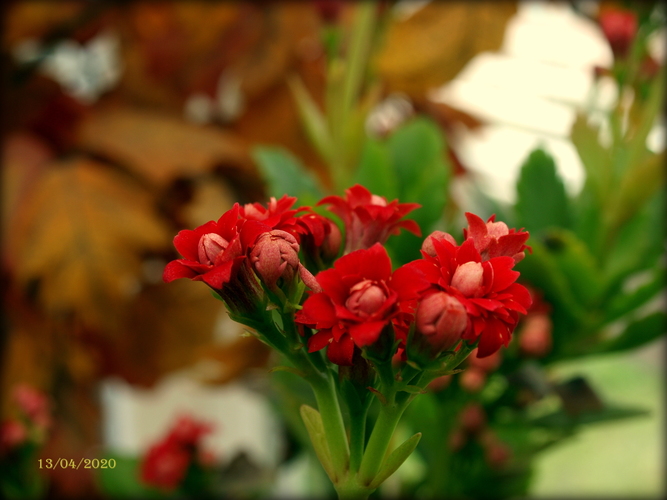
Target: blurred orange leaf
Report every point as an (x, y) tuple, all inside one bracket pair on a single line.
[(431, 46), (159, 147), (80, 238)]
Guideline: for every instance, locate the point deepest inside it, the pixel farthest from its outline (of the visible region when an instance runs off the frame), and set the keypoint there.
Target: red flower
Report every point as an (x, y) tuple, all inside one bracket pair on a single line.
[(276, 215), (495, 239), (213, 251), (619, 27), (167, 462), (34, 404), (360, 296), (368, 218), (12, 435), (486, 288), (320, 238)]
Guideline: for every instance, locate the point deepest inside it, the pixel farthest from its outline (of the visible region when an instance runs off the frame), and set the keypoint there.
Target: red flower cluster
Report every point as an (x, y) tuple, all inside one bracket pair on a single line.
[(252, 242), (166, 464), (360, 297), (485, 287), (34, 410)]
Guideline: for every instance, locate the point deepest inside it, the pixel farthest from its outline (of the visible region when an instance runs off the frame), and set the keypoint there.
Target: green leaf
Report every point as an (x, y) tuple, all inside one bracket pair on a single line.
[(313, 421), (638, 333), (541, 198), (123, 481), (595, 158), (624, 303), (561, 419), (395, 460), (284, 174), (577, 265), (312, 118), (375, 170)]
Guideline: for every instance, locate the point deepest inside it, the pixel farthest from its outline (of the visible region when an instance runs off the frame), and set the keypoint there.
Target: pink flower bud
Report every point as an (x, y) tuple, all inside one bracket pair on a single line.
[(535, 335), (33, 404), (274, 256), (472, 380), (619, 27), (427, 245), (486, 364), (366, 297), (441, 319), (210, 246), (332, 242), (468, 278)]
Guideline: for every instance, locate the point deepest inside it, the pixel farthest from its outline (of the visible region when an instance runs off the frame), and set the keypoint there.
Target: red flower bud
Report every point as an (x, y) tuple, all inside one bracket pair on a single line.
[(472, 380), (535, 335), (441, 319), (427, 245), (12, 435), (274, 256), (366, 297), (467, 278)]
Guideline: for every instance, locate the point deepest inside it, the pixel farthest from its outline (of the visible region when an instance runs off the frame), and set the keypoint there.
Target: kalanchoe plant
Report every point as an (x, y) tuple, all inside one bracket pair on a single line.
[(387, 333)]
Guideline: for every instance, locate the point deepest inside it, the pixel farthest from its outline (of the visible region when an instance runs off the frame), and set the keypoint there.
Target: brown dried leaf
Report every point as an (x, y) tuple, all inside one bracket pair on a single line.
[(80, 238), (159, 147), (167, 327), (430, 47)]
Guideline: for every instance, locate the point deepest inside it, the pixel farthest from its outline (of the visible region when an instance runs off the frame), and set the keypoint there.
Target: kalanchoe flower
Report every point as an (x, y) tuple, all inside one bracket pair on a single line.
[(427, 245), (216, 254), (620, 28), (360, 297), (278, 214), (320, 240), (440, 321), (12, 435), (274, 256), (369, 218), (34, 405), (486, 288), (495, 239)]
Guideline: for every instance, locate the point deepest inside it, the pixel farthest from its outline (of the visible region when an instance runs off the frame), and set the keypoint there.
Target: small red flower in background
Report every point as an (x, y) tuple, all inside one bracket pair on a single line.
[(369, 218), (278, 214), (34, 405), (495, 239), (167, 462), (360, 296), (620, 28), (486, 288), (12, 435)]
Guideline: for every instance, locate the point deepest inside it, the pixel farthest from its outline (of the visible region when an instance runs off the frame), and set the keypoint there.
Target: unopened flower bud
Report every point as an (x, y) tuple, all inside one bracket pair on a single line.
[(366, 297), (274, 256), (486, 364), (472, 380), (619, 27), (332, 241), (210, 246), (441, 319), (427, 245), (468, 278), (535, 335)]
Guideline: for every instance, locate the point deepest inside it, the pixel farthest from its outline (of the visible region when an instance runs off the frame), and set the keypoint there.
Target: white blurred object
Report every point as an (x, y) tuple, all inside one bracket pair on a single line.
[(135, 418)]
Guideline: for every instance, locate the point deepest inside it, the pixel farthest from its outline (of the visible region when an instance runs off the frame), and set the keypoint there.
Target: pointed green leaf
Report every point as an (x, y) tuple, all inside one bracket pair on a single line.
[(395, 460), (313, 421), (595, 158), (638, 333), (312, 118), (624, 303), (541, 198), (284, 174), (577, 265)]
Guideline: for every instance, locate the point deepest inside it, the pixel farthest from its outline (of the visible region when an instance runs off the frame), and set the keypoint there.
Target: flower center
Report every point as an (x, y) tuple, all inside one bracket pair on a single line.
[(210, 246), (468, 278), (366, 297)]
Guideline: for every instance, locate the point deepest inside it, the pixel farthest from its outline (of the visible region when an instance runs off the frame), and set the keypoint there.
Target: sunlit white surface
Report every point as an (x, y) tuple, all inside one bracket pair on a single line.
[(135, 418)]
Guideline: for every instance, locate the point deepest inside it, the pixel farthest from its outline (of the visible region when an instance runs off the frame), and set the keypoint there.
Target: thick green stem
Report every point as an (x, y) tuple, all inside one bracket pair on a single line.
[(379, 441), (332, 421), (357, 438)]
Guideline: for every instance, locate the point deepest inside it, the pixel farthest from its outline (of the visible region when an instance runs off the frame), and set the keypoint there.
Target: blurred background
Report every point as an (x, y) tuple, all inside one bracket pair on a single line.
[(126, 122)]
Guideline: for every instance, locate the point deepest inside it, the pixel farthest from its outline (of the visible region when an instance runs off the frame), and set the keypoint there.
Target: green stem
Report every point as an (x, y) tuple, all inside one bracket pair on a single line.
[(379, 441), (357, 437), (332, 421)]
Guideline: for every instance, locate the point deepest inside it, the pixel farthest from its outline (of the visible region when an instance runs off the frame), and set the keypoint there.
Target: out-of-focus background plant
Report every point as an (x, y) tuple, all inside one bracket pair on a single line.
[(124, 123)]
